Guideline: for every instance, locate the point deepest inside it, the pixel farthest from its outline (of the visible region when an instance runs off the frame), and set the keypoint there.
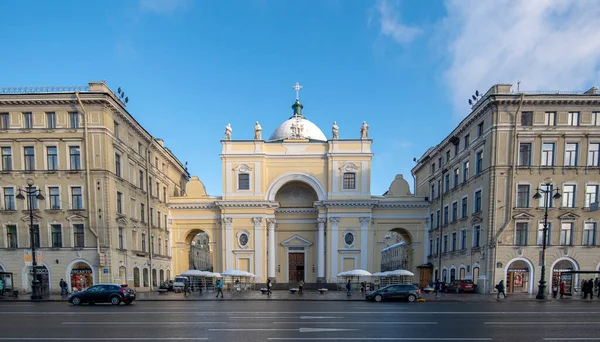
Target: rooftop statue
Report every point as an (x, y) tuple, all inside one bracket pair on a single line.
[(257, 131), (335, 130), (364, 131), (228, 132)]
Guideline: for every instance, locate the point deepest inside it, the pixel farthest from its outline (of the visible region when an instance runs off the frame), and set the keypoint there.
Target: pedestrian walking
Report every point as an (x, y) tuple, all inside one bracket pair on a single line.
[(63, 287), (563, 289), (555, 289), (501, 289), (220, 288), (437, 287), (596, 284), (300, 285), (1, 288), (348, 289), (583, 287), (269, 287), (589, 289)]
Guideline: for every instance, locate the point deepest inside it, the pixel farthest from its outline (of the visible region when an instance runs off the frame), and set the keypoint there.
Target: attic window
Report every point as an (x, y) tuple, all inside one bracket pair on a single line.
[(244, 181), (349, 180)]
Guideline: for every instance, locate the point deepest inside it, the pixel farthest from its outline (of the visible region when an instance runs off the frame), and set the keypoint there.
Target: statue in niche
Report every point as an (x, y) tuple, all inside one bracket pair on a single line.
[(228, 132), (364, 131), (335, 129), (257, 131)]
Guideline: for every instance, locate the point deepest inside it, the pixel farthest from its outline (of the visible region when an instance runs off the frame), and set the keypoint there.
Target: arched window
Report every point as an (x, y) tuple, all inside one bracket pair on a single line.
[(168, 274), (136, 277), (146, 277), (453, 274), (475, 275), (154, 277), (444, 275), (123, 274), (162, 276)]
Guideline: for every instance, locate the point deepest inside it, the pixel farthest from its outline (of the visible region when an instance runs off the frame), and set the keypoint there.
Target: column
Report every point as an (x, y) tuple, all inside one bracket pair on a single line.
[(228, 222), (333, 250), (258, 247), (364, 241), (271, 248), (321, 251)]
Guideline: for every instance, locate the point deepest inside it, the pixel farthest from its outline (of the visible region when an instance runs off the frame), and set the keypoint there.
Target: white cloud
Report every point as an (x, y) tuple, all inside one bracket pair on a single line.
[(545, 44), (391, 26), (164, 6)]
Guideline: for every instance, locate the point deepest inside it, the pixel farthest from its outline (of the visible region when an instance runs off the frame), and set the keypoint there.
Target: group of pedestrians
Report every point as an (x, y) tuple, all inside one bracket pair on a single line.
[(588, 287)]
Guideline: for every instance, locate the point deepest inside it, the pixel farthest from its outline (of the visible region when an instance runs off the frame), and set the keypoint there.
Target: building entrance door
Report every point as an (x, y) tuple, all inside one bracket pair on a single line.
[(296, 267)]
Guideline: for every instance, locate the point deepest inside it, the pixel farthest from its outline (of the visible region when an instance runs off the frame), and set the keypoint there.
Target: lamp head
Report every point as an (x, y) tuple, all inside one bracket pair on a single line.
[(30, 181), (557, 195), (40, 196), (20, 196), (537, 195), (548, 181)]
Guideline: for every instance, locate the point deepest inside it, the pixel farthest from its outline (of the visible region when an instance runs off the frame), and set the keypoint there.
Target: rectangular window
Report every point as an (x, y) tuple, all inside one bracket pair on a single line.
[(156, 162), (540, 234), (437, 218), (52, 156), (432, 191), (164, 193), (549, 118), (593, 151), (466, 141), (159, 246), (140, 148), (526, 119), (11, 236), (134, 244), (431, 252), (463, 239), (51, 120), (143, 212), (244, 181), (349, 180), (54, 198), (76, 198), (78, 236), (523, 196), (566, 228), (446, 182), (121, 244), (6, 159), (446, 215), (36, 235), (521, 234), (151, 217), (453, 246), (456, 175), (158, 190), (547, 195), (568, 196), (480, 129), (56, 231), (525, 154), (464, 205), (547, 154), (437, 245), (465, 171), (141, 179), (158, 219), (29, 158), (9, 199), (596, 119), (591, 195), (571, 154), (4, 121), (117, 135), (476, 236), (150, 188), (454, 211), (75, 155), (73, 120), (119, 203), (589, 234), (477, 206), (28, 120), (117, 165), (573, 119), (143, 242), (445, 244), (431, 221), (479, 164), (432, 168), (456, 149), (439, 187), (447, 156), (34, 200)]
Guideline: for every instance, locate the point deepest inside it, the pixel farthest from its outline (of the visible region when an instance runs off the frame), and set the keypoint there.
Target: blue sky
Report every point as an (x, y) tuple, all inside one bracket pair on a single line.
[(406, 67)]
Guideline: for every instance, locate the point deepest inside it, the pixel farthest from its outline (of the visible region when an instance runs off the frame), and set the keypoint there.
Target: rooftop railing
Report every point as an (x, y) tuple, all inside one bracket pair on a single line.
[(43, 89)]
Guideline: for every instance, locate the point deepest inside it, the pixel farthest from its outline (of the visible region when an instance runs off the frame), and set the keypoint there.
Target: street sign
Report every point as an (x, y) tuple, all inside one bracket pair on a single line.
[(105, 271)]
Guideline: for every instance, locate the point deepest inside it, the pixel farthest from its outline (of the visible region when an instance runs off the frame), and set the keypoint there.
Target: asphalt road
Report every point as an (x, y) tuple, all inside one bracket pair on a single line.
[(251, 321)]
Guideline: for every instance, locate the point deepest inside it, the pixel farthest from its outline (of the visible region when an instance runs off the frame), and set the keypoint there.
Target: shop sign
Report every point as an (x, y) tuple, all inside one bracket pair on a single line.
[(81, 271), (518, 270), (39, 270), (29, 260)]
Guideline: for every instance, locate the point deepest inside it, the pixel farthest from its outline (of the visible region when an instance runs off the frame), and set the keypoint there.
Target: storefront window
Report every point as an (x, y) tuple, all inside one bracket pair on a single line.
[(558, 276), (517, 277), (81, 277)]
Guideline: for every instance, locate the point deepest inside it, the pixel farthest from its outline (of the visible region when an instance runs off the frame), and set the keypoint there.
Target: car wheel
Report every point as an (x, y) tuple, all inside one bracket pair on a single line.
[(378, 298), (115, 300), (412, 298), (76, 301)]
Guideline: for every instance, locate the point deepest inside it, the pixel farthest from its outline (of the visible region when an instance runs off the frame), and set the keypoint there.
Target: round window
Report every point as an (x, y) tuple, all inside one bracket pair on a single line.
[(349, 239), (243, 239)]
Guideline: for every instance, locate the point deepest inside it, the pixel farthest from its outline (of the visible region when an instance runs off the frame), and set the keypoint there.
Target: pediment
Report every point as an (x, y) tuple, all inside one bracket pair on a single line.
[(36, 218), (122, 220), (349, 167), (523, 216), (75, 217), (476, 220), (296, 241), (242, 168), (568, 216)]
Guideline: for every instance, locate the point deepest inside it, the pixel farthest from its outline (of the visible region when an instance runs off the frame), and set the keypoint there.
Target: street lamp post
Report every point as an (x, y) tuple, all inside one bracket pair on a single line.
[(32, 195), (555, 195)]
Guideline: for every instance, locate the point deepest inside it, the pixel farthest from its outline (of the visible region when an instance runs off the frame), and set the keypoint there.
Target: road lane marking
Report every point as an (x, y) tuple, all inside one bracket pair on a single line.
[(302, 330), (139, 323), (380, 339), (542, 323), (319, 317), (122, 313), (363, 322), (571, 338), (103, 338)]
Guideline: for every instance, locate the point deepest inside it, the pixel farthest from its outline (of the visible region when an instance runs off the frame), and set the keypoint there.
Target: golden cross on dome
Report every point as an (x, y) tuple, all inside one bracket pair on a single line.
[(297, 88)]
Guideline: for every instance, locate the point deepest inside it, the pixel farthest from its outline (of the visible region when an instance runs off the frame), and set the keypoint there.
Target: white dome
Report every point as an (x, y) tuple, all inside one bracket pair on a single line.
[(308, 130)]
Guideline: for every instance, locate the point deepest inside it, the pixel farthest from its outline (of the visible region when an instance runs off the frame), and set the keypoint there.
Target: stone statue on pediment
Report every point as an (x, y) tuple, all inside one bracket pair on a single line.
[(257, 131), (228, 132), (334, 130), (364, 131)]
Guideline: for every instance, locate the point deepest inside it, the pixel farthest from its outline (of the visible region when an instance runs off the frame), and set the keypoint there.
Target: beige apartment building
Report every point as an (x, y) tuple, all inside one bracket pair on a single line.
[(105, 181), (480, 180)]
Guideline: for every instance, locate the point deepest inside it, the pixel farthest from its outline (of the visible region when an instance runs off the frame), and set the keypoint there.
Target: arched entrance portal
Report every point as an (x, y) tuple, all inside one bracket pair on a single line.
[(296, 232), (397, 254), (81, 276), (200, 255), (564, 265), (519, 276)]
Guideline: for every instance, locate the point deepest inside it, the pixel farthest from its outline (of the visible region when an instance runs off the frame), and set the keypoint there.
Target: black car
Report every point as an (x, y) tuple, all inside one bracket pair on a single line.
[(395, 292), (167, 285), (104, 293)]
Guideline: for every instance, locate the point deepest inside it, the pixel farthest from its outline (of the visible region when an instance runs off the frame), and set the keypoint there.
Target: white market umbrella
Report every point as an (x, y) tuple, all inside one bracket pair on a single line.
[(380, 274), (193, 273), (213, 275), (356, 273), (236, 273), (399, 273)]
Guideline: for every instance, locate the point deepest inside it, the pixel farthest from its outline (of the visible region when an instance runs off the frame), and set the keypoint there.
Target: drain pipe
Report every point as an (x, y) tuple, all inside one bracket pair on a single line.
[(150, 239)]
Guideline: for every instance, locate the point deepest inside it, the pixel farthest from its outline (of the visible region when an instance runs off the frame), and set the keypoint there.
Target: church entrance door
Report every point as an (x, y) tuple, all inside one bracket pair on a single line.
[(296, 267)]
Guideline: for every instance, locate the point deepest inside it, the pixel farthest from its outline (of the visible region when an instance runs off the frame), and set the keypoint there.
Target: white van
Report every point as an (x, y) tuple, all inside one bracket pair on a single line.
[(179, 283)]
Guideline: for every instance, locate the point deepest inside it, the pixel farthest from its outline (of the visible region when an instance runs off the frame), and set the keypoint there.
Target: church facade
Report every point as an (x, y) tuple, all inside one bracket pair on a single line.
[(298, 206)]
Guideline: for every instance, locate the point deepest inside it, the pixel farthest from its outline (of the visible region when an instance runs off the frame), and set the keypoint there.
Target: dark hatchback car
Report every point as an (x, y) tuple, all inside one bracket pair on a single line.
[(395, 292), (104, 293)]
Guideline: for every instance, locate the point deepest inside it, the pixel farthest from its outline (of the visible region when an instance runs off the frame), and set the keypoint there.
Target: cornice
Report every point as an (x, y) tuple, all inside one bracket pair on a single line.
[(246, 204), (294, 211), (201, 206), (402, 205), (347, 203)]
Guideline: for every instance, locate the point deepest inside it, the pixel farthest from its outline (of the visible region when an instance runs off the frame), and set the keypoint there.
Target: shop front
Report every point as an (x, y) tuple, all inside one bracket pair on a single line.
[(518, 277), (82, 277), (569, 278), (43, 275)]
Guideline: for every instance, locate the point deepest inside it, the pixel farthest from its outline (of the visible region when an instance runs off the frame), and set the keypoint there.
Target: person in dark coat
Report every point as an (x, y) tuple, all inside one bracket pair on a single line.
[(501, 289)]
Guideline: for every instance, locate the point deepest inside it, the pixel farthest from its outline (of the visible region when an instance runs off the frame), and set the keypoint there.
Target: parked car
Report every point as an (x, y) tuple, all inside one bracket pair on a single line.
[(179, 283), (459, 286), (104, 293), (395, 292), (167, 285)]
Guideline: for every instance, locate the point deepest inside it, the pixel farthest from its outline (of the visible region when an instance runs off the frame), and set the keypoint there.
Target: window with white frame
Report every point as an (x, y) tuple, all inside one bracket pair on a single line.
[(566, 233), (73, 120), (454, 211), (244, 181), (349, 181), (11, 236), (547, 154), (54, 193), (525, 154), (568, 196), (465, 207), (445, 244), (593, 152), (27, 120), (477, 206), (547, 197), (56, 233), (571, 154), (76, 198), (52, 158), (446, 215), (6, 158), (521, 233), (591, 194), (446, 182), (9, 198), (540, 233), (437, 218), (118, 164), (119, 202), (463, 239), (523, 196), (51, 120), (432, 191), (479, 162), (476, 236), (589, 233), (4, 121), (78, 236), (596, 118), (465, 171), (121, 240), (134, 242), (431, 251), (456, 175), (75, 157), (480, 129), (29, 154), (437, 245), (34, 200), (573, 118), (431, 221), (549, 118)]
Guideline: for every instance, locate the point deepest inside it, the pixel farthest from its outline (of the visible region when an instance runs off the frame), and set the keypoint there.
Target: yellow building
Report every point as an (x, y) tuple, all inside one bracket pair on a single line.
[(297, 206)]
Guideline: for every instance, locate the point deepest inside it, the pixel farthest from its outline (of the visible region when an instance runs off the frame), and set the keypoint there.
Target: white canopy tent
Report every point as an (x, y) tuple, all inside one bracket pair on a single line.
[(238, 280), (350, 275), (393, 277), (201, 280)]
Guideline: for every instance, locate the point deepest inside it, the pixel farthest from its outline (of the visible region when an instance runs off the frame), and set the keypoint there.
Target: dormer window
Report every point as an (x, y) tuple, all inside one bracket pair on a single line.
[(244, 181), (349, 180)]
